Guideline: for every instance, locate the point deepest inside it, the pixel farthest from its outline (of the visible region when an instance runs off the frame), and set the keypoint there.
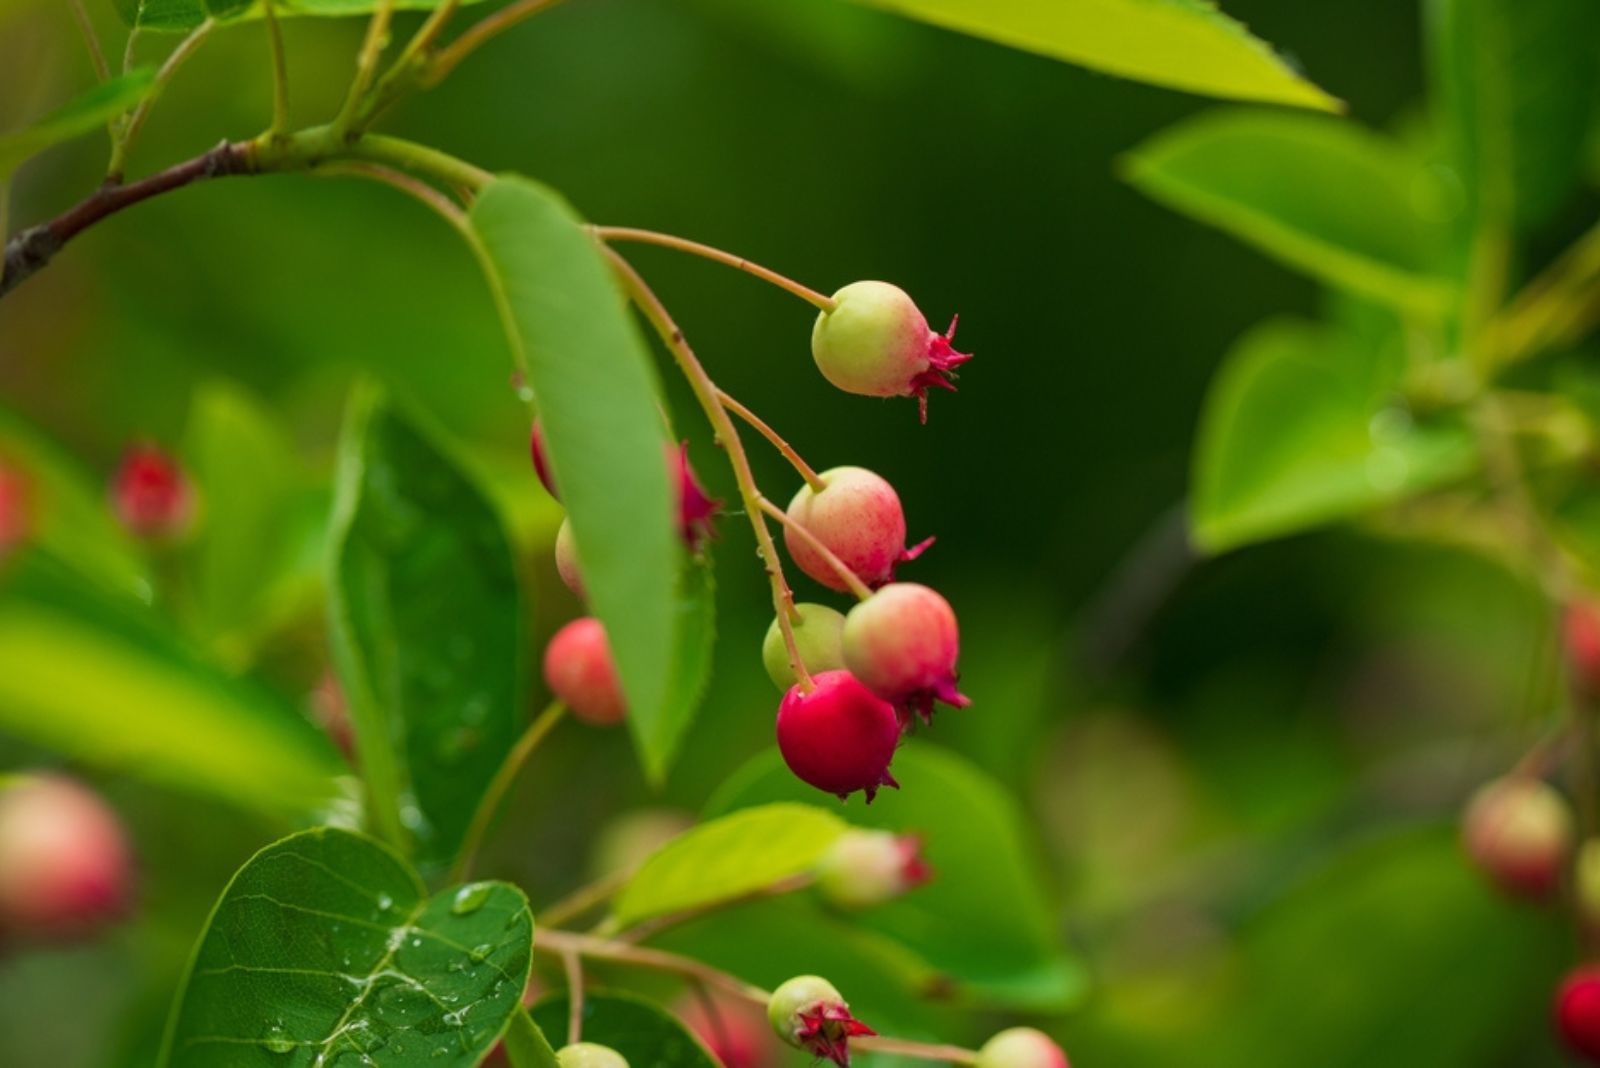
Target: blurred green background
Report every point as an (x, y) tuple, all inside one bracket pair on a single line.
[(1242, 773)]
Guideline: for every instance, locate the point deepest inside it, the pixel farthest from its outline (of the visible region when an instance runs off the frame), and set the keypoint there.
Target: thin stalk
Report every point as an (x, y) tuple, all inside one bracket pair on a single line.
[(409, 66), (366, 67), (651, 928), (411, 186), (280, 72), (922, 1050), (727, 436), (1554, 307), (812, 478), (501, 784), (379, 148), (716, 255), (91, 40), (169, 69), (129, 49), (572, 966), (861, 590), (560, 942), (584, 898), (481, 32)]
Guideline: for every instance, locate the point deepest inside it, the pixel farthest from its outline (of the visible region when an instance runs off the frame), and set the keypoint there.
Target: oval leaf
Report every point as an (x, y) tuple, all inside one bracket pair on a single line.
[(1322, 195), (526, 1046), (326, 946), (727, 858), (643, 1033), (86, 113), (428, 625), (597, 395), (1183, 44)]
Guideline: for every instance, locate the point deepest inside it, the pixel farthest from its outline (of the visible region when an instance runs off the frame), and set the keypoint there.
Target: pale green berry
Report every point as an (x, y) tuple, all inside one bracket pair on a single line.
[(817, 636), (866, 868), (1021, 1047), (589, 1055)]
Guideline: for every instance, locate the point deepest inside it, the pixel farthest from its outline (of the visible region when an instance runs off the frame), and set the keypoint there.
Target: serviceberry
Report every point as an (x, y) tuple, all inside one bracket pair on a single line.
[(567, 559), (697, 510), (866, 868), (1021, 1047), (817, 636), (1577, 1012), (1519, 831), (151, 494), (857, 515), (65, 866), (732, 1030), (808, 1013), (589, 1055), (902, 643), (840, 737), (875, 342), (579, 670)]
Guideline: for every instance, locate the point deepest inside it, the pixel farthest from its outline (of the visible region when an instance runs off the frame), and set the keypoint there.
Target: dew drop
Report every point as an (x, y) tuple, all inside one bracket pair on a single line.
[(479, 954), (277, 1040), (470, 898)]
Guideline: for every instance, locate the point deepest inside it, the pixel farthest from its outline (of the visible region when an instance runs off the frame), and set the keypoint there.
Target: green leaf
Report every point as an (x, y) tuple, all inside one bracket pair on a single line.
[(727, 858), (241, 463), (1519, 85), (180, 16), (597, 395), (428, 625), (643, 1033), (1322, 195), (1182, 44), (1295, 432), (526, 1046), (326, 949), (984, 920), (85, 113), (100, 680)]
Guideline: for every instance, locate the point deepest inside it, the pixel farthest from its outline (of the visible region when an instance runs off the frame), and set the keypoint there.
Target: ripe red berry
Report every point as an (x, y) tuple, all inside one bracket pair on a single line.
[(808, 1013), (1519, 831), (541, 462), (875, 342), (866, 868), (817, 636), (151, 494), (65, 868), (567, 559), (1578, 1012), (1580, 632), (1021, 1047), (579, 670), (840, 737), (16, 508), (857, 515), (902, 643)]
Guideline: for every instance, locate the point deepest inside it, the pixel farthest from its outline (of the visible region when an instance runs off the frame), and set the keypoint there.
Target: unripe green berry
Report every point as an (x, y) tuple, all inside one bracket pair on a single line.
[(589, 1055), (874, 341), (866, 868), (817, 636), (567, 559), (1021, 1047), (809, 1014)]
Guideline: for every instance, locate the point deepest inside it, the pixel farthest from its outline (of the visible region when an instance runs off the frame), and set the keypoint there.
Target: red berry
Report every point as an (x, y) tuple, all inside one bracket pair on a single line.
[(567, 559), (1021, 1047), (732, 1030), (696, 510), (541, 462), (65, 868), (840, 737), (1519, 831), (151, 494), (865, 868), (1578, 1012), (857, 516), (876, 342), (1580, 631), (16, 508), (902, 643), (808, 1013), (578, 669)]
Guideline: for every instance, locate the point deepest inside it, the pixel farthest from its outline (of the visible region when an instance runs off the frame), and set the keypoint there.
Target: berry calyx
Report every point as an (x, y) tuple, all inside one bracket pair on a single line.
[(151, 494), (65, 866), (1580, 634), (16, 508), (567, 559), (697, 510), (541, 462), (902, 643), (875, 342), (808, 1013), (1577, 1011), (866, 868), (839, 737), (818, 636), (579, 670), (857, 515), (1518, 830), (589, 1055), (1021, 1047)]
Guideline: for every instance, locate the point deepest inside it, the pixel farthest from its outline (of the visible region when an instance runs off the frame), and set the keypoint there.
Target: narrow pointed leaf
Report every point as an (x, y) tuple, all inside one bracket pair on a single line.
[(86, 113)]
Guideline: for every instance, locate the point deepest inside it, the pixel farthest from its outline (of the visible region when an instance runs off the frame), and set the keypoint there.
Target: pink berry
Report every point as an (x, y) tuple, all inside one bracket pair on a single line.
[(1021, 1047), (902, 643), (808, 1013), (1519, 831), (876, 343), (151, 494), (1580, 632), (866, 868), (65, 868), (1578, 1012), (731, 1029), (567, 559), (840, 737), (696, 509), (541, 462), (857, 516), (16, 508), (578, 669)]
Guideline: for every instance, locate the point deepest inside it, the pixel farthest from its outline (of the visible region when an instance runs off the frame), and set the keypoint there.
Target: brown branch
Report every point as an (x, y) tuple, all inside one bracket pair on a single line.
[(31, 249)]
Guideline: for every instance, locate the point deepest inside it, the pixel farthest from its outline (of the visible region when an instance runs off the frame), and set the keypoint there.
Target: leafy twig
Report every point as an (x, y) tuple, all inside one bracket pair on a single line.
[(280, 71)]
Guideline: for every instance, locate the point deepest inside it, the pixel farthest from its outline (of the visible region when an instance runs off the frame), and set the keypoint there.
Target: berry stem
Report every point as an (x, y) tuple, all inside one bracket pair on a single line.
[(501, 784), (850, 578), (806, 472), (562, 942), (280, 71), (91, 40), (572, 965), (907, 1048), (130, 130), (716, 255), (727, 436)]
